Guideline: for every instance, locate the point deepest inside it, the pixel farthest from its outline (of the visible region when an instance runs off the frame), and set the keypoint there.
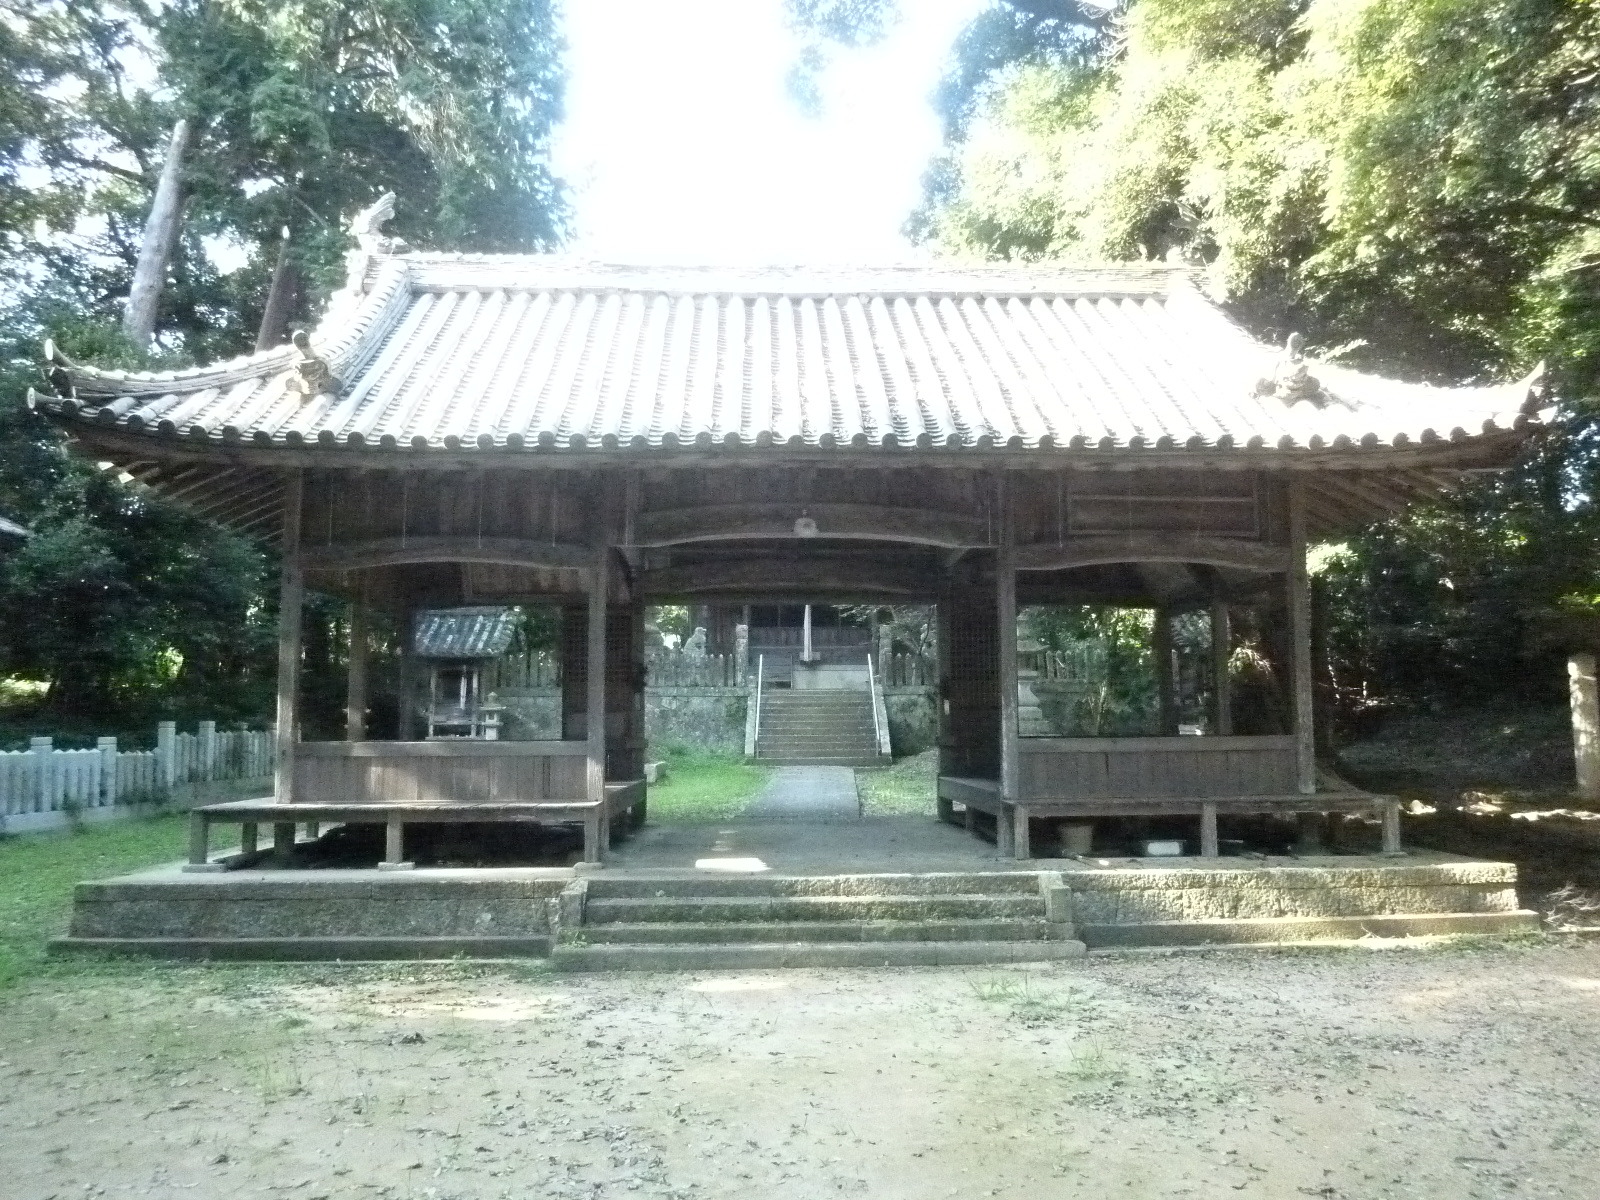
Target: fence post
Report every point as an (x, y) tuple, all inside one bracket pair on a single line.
[(42, 748), (208, 750), (166, 754), (108, 769)]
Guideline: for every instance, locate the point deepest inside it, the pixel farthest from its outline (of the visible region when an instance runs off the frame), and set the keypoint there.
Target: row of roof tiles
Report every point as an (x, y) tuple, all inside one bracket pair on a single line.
[(511, 352)]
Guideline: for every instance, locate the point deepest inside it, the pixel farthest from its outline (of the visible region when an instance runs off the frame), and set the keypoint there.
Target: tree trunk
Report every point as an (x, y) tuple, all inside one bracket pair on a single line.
[(282, 297), (155, 251)]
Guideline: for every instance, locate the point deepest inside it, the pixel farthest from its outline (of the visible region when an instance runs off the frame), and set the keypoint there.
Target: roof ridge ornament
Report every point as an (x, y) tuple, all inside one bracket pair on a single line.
[(367, 227), (1291, 380), (312, 374)]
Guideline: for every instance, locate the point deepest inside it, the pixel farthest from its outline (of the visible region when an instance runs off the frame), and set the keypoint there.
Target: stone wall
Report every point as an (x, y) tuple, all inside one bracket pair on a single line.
[(707, 719), (531, 715), (912, 724)]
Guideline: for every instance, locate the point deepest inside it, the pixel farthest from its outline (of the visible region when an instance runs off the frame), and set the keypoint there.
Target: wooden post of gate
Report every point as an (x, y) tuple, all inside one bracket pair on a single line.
[(1005, 570), (291, 595), (355, 698), (1585, 698), (595, 721), (1305, 750), (1221, 653)]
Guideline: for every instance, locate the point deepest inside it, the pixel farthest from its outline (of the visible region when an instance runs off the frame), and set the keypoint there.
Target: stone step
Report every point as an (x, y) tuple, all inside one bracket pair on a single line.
[(863, 728), (820, 748), (708, 909), (698, 886), (777, 955), (778, 759), (1270, 930), (804, 724), (353, 948), (723, 933)]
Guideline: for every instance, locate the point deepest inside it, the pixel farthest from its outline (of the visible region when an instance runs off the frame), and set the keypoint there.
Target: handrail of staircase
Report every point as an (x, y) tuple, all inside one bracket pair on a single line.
[(878, 721), (752, 733)]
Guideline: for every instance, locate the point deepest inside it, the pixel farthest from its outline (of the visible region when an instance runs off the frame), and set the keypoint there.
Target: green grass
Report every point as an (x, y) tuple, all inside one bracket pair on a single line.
[(38, 871), (703, 787), (905, 789)]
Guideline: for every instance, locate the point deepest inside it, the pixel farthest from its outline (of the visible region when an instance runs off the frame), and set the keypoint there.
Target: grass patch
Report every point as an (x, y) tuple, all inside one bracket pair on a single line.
[(905, 789), (1029, 1005), (704, 787), (38, 871)]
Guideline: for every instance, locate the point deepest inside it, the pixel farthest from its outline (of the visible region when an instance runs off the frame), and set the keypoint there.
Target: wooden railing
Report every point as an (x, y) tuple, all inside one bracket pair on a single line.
[(1068, 769), (439, 772)]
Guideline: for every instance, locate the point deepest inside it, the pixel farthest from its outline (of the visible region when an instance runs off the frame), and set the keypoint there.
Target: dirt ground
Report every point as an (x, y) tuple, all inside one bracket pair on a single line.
[(1445, 1073)]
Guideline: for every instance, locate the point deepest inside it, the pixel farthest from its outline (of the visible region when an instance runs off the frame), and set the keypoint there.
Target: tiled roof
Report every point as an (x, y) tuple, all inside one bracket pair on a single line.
[(519, 353), (463, 632)]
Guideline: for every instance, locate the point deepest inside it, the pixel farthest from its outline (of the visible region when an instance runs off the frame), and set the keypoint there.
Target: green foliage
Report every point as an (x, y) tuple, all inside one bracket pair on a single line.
[(704, 787), (301, 114), (907, 789), (1413, 184), (39, 871)]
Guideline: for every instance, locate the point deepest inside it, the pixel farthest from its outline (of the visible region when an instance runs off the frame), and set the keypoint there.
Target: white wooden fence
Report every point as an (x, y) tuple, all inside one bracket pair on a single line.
[(42, 780)]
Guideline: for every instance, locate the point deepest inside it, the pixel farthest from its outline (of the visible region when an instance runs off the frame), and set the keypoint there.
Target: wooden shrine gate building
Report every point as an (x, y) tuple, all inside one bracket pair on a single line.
[(480, 430)]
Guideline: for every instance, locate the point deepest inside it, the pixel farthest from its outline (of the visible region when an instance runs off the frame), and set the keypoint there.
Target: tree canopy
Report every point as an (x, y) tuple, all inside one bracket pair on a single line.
[(301, 113), (1413, 184)]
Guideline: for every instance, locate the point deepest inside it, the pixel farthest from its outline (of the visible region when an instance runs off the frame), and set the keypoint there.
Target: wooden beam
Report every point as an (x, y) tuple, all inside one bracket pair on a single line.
[(723, 522), (291, 594), (820, 580), (1300, 641), (1100, 549), (1170, 584), (399, 551)]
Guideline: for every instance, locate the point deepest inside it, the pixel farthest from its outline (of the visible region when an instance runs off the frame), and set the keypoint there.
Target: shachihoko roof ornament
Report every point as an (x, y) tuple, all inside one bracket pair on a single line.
[(518, 354)]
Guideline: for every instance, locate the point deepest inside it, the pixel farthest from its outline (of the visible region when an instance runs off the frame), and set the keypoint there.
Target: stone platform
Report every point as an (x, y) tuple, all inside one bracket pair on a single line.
[(741, 903)]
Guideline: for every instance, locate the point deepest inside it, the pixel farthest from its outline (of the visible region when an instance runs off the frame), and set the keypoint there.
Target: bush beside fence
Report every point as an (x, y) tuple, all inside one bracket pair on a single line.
[(42, 780)]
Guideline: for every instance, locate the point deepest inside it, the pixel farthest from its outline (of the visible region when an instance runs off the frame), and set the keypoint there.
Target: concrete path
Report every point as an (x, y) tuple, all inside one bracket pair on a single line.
[(808, 794)]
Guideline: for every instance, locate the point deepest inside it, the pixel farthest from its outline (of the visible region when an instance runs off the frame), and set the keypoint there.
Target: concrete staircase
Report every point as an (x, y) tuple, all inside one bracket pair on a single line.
[(817, 728), (695, 923)]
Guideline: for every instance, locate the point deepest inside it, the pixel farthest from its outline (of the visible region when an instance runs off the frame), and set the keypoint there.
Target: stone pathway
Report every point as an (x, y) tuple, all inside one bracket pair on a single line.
[(808, 793)]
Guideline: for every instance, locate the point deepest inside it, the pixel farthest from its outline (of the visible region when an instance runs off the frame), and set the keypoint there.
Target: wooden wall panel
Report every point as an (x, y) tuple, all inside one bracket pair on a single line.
[(971, 687), (1167, 768)]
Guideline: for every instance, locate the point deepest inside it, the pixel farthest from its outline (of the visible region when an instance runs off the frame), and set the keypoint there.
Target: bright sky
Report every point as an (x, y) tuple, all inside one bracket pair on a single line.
[(681, 144)]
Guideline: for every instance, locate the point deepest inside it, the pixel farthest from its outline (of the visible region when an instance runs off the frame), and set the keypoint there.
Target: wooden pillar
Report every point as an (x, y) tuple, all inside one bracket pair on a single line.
[(1221, 683), (1166, 685), (355, 696), (595, 680), (805, 637), (1585, 698), (291, 595), (1300, 643), (625, 670), (574, 672), (1005, 577), (409, 676), (942, 634)]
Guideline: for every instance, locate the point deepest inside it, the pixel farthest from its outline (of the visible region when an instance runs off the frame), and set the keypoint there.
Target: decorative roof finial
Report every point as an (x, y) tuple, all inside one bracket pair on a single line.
[(313, 376), (1291, 380), (368, 227)]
